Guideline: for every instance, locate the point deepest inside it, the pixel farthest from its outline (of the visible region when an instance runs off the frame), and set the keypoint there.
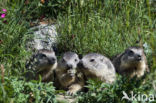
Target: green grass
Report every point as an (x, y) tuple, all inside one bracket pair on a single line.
[(107, 27), (106, 30)]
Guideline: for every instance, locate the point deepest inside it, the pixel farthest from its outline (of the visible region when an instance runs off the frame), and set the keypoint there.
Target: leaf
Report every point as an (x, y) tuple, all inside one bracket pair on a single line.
[(2, 73)]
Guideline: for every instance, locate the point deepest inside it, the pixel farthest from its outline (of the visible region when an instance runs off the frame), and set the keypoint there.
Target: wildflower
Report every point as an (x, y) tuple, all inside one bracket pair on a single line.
[(3, 15), (5, 21), (42, 1), (4, 10)]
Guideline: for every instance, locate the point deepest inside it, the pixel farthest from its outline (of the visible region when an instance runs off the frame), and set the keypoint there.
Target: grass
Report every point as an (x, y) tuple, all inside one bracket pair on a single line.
[(107, 27), (105, 30)]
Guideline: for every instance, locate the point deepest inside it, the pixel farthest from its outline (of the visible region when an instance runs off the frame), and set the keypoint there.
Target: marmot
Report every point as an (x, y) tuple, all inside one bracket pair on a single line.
[(42, 63), (97, 66), (67, 77), (132, 62)]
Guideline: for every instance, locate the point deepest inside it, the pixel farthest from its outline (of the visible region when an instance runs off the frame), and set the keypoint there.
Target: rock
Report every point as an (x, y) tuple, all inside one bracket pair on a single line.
[(44, 37)]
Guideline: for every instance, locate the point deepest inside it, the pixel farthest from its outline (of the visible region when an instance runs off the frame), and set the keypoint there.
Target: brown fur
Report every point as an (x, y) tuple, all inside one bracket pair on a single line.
[(72, 84), (69, 79), (42, 64), (46, 74), (131, 68), (98, 67)]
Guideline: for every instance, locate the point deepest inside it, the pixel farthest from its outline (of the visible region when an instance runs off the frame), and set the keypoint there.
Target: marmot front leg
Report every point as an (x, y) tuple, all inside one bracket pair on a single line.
[(74, 88), (66, 79)]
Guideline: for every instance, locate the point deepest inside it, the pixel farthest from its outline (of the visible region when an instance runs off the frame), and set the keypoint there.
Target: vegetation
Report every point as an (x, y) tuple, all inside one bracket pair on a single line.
[(103, 26)]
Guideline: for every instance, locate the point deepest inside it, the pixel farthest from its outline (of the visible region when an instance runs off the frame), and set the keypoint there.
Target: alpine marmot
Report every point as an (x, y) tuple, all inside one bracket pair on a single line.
[(67, 77), (97, 66), (132, 62), (42, 63)]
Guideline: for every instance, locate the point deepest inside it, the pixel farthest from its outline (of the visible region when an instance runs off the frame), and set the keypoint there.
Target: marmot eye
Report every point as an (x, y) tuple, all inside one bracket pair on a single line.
[(130, 53), (75, 60), (92, 60), (42, 55)]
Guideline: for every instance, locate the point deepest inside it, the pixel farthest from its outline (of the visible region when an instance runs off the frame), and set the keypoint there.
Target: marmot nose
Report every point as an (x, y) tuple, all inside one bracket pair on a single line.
[(69, 66), (139, 57), (80, 65), (52, 60)]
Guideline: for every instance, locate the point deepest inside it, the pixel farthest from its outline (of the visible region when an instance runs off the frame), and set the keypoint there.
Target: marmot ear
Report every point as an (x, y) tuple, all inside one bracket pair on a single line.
[(80, 56)]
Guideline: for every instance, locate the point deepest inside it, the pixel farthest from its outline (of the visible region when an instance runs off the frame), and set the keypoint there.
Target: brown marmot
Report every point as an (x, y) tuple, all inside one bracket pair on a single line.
[(67, 77), (97, 66), (42, 63), (132, 62)]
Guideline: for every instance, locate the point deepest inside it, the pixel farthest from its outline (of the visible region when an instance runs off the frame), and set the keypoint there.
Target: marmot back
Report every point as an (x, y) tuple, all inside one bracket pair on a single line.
[(97, 66), (42, 63), (132, 62), (66, 73)]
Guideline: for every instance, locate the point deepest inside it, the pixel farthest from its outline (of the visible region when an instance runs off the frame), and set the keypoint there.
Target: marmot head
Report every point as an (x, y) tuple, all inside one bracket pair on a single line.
[(42, 59), (95, 65), (68, 62), (132, 55)]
